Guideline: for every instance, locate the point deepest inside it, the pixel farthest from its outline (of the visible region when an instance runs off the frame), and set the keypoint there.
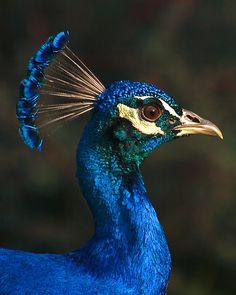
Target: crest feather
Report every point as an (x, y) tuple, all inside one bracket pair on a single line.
[(58, 87)]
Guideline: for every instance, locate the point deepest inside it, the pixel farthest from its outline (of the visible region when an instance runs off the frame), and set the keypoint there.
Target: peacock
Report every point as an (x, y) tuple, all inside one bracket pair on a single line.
[(128, 252)]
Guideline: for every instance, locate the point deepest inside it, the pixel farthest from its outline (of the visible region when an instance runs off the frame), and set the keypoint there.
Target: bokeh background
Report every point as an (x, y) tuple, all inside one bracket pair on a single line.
[(186, 47)]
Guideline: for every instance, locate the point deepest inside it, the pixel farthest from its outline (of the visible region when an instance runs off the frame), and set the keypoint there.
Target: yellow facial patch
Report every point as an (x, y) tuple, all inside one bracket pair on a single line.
[(131, 114)]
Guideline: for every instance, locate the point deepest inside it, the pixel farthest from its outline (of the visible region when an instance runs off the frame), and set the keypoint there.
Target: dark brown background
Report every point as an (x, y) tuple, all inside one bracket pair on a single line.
[(187, 48)]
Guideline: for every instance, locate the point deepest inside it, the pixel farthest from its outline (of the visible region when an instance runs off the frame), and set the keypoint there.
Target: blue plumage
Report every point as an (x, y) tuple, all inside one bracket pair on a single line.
[(123, 90), (128, 253), (27, 105)]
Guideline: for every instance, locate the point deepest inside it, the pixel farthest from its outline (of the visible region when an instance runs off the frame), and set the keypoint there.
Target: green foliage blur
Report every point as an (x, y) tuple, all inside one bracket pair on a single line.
[(186, 47)]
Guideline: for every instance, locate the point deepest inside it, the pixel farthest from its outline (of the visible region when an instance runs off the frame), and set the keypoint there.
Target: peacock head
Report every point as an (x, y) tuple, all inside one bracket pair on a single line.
[(140, 117), (133, 117)]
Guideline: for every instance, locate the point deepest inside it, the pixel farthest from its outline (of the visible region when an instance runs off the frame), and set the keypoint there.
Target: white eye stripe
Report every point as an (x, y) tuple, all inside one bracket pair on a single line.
[(143, 97), (164, 104), (168, 108)]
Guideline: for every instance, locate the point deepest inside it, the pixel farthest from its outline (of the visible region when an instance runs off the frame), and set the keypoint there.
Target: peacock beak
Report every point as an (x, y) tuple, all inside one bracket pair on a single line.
[(191, 123)]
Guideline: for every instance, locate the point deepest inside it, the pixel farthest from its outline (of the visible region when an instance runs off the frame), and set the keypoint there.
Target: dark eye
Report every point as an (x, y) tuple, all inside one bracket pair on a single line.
[(150, 112)]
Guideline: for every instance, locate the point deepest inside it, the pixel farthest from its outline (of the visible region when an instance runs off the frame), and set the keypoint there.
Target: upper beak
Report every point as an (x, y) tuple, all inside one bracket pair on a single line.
[(190, 123)]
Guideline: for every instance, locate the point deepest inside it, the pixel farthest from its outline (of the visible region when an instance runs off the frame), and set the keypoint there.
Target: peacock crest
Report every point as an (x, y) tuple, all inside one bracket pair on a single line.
[(58, 87)]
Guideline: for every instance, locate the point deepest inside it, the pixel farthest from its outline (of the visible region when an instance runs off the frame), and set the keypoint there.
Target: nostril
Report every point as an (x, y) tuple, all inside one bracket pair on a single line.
[(172, 120), (193, 119)]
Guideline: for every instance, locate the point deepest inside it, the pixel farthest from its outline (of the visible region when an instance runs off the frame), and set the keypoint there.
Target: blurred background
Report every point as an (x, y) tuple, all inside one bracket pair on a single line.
[(186, 47)]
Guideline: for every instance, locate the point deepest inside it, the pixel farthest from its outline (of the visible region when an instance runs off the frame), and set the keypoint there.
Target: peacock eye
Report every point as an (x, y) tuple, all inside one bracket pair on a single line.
[(150, 112)]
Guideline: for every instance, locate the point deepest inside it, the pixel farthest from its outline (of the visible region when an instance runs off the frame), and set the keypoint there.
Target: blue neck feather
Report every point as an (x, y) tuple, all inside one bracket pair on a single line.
[(129, 241)]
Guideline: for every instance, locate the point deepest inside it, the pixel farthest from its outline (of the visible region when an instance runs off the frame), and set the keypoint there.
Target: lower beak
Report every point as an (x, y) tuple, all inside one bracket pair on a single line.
[(190, 123)]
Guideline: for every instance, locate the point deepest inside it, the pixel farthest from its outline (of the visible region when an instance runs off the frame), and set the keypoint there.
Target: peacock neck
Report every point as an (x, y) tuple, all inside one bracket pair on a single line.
[(125, 220), (113, 188)]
